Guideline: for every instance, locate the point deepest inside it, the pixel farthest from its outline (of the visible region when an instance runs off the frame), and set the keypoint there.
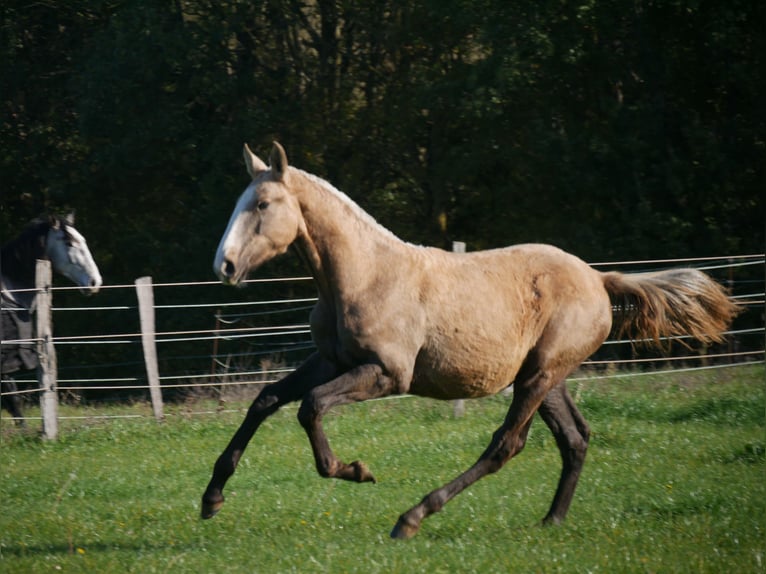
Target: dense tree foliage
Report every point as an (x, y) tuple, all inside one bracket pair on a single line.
[(616, 130), (611, 128)]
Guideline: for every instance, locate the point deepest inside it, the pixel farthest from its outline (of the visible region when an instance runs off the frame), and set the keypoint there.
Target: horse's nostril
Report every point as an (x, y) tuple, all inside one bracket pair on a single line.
[(228, 268)]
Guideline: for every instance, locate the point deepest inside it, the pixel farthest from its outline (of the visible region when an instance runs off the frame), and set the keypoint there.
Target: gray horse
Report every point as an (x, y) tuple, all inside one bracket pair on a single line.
[(396, 318), (54, 239)]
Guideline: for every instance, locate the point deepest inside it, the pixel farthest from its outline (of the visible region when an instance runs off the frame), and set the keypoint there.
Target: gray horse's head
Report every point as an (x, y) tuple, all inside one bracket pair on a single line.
[(69, 255), (265, 221)]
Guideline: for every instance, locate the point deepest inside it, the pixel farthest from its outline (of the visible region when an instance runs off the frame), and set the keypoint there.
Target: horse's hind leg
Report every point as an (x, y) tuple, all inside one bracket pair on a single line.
[(572, 433), (530, 388), (12, 402), (315, 371)]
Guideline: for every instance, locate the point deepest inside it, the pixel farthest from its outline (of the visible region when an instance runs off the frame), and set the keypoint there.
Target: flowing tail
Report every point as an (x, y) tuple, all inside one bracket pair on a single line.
[(676, 302)]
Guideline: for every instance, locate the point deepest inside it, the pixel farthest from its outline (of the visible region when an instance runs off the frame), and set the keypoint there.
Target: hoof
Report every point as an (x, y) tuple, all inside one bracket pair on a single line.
[(210, 509), (403, 530), (362, 473), (552, 521)]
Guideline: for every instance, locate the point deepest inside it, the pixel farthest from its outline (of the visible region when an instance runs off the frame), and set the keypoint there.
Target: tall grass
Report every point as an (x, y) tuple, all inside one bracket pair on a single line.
[(675, 481)]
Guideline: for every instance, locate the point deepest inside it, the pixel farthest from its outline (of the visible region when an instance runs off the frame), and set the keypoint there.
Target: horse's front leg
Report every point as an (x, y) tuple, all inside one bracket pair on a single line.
[(12, 402), (314, 371), (359, 384)]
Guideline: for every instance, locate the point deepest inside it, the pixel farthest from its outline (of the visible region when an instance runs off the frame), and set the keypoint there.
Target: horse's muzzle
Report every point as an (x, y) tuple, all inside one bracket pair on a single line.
[(228, 269), (227, 272), (91, 286)]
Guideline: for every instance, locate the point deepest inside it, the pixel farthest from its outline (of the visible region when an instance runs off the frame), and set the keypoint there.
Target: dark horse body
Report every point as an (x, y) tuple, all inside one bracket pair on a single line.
[(396, 318), (54, 239)]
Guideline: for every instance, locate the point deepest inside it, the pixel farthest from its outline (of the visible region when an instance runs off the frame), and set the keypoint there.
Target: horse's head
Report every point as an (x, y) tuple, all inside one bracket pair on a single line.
[(265, 221), (69, 255)]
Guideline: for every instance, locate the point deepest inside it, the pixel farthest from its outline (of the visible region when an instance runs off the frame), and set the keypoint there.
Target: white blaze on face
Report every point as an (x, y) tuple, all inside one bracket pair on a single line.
[(71, 257), (234, 238)]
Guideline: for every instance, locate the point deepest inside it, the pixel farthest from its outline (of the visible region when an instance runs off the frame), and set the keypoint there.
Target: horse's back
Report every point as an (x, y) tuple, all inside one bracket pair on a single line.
[(488, 309), (524, 284)]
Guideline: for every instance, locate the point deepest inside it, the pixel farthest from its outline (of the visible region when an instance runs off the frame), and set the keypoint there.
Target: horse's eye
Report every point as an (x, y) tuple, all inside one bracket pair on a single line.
[(263, 205)]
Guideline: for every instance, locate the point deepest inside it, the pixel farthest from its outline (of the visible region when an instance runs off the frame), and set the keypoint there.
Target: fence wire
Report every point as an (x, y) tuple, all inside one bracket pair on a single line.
[(246, 345)]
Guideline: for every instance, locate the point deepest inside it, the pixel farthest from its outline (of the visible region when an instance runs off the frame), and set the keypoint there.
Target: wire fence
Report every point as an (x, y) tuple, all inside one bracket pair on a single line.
[(211, 339)]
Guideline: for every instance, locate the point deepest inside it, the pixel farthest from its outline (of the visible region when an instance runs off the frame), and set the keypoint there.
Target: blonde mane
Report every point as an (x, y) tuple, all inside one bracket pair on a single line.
[(360, 214)]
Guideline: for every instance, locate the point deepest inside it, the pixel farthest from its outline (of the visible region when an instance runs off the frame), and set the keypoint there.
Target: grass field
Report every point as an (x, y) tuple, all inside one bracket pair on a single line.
[(675, 481)]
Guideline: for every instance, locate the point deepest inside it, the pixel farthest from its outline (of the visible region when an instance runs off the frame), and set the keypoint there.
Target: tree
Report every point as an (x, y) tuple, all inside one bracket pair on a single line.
[(611, 130)]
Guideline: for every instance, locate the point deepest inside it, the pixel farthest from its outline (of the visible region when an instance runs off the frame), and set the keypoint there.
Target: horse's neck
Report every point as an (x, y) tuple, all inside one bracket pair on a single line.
[(17, 294), (19, 260), (342, 244)]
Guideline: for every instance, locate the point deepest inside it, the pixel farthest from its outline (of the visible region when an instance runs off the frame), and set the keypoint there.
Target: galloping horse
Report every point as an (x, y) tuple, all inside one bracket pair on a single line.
[(396, 318), (54, 239)]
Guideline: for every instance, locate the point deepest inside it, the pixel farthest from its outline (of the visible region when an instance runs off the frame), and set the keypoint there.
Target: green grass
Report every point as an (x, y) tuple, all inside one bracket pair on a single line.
[(675, 481)]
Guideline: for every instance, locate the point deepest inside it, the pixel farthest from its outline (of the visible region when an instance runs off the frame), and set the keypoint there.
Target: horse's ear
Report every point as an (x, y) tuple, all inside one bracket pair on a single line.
[(253, 163), (278, 162)]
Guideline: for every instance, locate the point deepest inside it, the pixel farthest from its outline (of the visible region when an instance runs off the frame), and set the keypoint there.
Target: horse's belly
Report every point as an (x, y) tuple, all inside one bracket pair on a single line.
[(458, 376)]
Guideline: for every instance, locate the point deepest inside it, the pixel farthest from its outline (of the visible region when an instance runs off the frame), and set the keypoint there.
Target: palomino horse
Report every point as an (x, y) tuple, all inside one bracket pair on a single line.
[(395, 318), (56, 240)]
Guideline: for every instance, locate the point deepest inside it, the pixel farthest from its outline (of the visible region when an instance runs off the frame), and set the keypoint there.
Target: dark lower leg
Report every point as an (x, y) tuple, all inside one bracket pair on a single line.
[(12, 402), (212, 499), (328, 465), (507, 441), (271, 398), (572, 434), (360, 384)]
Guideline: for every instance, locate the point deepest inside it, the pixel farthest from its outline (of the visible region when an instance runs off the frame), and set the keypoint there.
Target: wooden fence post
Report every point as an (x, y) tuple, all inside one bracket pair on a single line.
[(214, 359), (46, 353), (145, 295), (458, 405)]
